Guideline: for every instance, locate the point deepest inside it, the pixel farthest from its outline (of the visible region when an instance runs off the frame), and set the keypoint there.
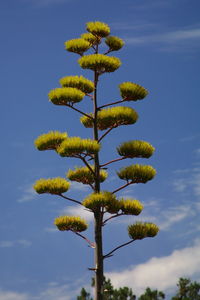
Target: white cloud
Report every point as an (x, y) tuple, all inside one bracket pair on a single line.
[(189, 181), (51, 229), (6, 244), (174, 215), (27, 195), (24, 243), (8, 295), (173, 39), (9, 244), (79, 186), (44, 3), (78, 211), (53, 291), (162, 272)]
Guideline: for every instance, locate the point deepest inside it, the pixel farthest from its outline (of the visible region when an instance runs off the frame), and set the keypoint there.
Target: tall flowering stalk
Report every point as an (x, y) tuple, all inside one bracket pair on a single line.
[(103, 118)]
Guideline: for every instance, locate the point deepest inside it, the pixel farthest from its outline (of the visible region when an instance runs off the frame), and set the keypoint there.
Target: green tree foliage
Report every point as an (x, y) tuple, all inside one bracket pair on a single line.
[(110, 293), (152, 295), (104, 205), (187, 290), (84, 295)]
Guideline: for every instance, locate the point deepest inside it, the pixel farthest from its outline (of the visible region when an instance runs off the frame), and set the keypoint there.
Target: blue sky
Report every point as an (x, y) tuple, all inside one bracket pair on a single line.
[(162, 54)]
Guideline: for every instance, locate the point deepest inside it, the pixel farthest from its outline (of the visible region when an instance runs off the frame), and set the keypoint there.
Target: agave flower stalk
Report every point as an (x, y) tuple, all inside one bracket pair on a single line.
[(104, 205)]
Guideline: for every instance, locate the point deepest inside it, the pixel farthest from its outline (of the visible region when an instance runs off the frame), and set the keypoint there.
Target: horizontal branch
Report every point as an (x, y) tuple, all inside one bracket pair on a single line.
[(115, 249), (92, 245), (112, 161), (78, 110), (112, 103), (122, 187), (112, 217), (73, 200)]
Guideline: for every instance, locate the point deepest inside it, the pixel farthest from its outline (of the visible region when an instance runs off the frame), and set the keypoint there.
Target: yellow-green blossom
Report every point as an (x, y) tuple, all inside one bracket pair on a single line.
[(56, 185), (100, 63), (137, 173), (112, 117), (132, 91), (72, 223), (50, 140), (139, 231), (136, 148)]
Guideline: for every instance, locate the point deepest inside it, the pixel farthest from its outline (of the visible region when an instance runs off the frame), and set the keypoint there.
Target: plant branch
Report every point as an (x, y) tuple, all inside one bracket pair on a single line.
[(110, 253), (86, 163), (112, 103), (67, 198), (112, 217), (114, 160), (81, 112), (91, 96), (122, 187), (92, 245), (103, 135), (109, 50), (92, 187)]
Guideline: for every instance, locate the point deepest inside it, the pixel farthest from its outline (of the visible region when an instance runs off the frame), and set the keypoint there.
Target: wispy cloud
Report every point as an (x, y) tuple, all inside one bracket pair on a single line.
[(164, 218), (28, 194), (188, 39), (76, 186), (188, 181), (52, 291), (9, 295), (51, 229), (162, 272), (174, 215), (77, 211), (10, 244), (44, 3), (189, 138)]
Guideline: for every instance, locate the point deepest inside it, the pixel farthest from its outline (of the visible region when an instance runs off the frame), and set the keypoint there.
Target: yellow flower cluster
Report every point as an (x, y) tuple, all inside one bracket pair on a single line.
[(131, 206), (50, 140), (75, 145), (63, 96), (78, 82), (136, 148), (89, 37), (137, 173), (112, 117), (100, 63), (72, 223), (114, 43), (51, 186), (99, 29), (132, 91), (139, 231), (77, 45), (102, 199), (85, 176)]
